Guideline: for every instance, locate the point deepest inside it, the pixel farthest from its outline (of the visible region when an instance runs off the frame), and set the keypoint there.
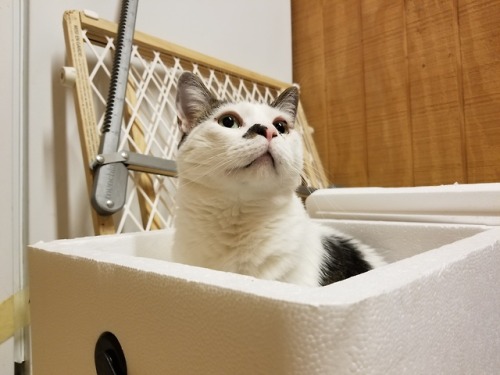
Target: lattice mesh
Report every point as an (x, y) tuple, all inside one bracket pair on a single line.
[(150, 122)]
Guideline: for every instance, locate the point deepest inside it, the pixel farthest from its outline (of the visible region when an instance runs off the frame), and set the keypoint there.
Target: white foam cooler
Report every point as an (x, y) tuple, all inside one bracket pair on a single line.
[(435, 309)]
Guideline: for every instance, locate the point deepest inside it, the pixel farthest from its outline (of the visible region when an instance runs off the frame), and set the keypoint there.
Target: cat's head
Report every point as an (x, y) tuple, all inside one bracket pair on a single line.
[(238, 146)]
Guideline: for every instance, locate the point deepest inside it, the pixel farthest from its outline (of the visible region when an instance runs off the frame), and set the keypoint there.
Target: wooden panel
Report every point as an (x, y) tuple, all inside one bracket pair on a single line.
[(409, 91), (388, 127), (480, 44), (345, 93), (435, 89), (309, 69)]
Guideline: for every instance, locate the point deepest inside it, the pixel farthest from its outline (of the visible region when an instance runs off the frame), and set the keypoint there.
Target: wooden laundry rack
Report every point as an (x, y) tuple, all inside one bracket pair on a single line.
[(86, 32)]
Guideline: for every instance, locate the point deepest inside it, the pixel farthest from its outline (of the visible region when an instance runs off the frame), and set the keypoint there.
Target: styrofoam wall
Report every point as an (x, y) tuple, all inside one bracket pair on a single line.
[(434, 312)]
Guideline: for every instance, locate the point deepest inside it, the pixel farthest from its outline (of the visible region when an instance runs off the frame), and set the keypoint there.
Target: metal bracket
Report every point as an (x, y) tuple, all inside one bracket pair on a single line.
[(138, 162), (109, 198), (110, 180)]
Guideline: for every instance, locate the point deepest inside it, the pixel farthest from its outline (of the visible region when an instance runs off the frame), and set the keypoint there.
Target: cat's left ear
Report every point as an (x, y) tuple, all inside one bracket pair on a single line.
[(193, 101), (288, 101)]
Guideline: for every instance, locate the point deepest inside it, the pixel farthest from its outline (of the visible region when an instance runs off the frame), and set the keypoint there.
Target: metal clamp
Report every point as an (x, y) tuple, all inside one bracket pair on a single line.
[(138, 162), (110, 197)]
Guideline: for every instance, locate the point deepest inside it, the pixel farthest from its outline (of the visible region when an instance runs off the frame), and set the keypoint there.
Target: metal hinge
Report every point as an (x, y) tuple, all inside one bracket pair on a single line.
[(109, 196)]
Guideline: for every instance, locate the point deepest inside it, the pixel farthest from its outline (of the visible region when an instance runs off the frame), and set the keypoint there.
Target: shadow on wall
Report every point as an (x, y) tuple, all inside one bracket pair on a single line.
[(72, 205), (60, 159)]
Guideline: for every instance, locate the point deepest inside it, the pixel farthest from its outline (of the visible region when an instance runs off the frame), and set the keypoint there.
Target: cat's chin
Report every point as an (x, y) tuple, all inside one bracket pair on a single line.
[(264, 160)]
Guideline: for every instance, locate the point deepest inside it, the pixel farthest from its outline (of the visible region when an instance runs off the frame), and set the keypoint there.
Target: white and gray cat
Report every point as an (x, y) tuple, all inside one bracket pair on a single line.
[(239, 165)]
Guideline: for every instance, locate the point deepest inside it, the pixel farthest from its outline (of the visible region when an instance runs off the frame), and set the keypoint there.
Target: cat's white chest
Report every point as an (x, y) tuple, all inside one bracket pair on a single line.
[(263, 241)]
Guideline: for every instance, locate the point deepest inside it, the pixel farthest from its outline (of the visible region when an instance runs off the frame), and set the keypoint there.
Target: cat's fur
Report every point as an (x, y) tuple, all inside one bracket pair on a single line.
[(237, 208)]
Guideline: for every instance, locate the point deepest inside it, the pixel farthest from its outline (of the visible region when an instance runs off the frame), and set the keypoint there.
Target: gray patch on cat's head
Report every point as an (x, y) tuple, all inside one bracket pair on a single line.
[(288, 101), (194, 101)]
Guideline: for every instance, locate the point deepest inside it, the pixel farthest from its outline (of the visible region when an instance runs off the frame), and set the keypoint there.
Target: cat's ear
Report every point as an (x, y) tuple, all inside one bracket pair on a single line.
[(193, 101), (288, 101)]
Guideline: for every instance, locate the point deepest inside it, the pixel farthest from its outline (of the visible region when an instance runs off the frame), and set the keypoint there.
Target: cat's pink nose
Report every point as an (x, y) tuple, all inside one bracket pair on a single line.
[(271, 133)]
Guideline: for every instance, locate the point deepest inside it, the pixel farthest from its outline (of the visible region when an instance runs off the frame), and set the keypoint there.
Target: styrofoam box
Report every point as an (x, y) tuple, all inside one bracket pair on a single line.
[(435, 309)]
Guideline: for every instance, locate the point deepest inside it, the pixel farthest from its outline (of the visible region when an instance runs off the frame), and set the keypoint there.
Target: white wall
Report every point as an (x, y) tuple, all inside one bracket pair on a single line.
[(255, 34), (6, 155), (11, 228)]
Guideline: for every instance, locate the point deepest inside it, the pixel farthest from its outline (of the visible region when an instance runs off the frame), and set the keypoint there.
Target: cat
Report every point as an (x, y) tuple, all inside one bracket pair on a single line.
[(239, 164)]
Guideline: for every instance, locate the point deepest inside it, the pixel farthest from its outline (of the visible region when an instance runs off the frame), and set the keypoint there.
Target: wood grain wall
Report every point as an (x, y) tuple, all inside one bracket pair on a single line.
[(401, 92)]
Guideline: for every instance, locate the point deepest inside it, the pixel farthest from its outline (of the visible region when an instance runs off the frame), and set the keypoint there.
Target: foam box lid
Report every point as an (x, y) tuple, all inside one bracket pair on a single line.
[(463, 204)]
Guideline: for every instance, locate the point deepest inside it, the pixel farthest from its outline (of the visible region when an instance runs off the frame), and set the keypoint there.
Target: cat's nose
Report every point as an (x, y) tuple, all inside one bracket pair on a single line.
[(268, 133)]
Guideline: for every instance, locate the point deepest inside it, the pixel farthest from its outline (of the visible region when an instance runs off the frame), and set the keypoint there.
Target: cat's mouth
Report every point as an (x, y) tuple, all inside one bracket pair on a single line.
[(264, 159)]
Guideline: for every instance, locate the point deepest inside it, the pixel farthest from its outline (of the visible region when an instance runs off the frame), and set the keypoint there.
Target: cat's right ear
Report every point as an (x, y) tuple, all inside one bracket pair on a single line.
[(288, 101), (193, 101)]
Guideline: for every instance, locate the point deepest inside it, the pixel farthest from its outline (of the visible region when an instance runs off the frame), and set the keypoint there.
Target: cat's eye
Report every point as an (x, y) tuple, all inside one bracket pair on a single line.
[(229, 121), (281, 126)]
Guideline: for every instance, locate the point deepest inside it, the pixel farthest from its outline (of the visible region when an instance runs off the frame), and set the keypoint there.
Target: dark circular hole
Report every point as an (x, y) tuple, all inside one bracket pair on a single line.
[(109, 357)]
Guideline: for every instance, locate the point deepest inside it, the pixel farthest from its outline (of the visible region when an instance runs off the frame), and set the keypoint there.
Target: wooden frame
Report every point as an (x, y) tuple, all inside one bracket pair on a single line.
[(98, 32)]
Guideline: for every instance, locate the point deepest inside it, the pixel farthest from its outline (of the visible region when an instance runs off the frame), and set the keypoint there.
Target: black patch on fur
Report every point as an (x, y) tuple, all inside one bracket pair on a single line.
[(183, 138), (254, 130), (343, 259)]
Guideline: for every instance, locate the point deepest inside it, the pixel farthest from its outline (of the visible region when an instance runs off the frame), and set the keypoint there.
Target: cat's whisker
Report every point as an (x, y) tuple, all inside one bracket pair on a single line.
[(206, 172)]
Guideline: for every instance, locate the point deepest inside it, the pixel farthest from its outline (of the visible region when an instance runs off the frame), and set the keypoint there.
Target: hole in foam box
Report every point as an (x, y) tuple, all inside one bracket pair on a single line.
[(434, 309)]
